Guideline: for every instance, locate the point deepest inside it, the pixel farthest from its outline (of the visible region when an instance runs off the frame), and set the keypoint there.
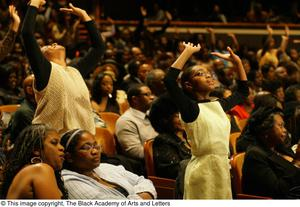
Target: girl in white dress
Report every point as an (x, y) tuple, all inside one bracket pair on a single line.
[(207, 126)]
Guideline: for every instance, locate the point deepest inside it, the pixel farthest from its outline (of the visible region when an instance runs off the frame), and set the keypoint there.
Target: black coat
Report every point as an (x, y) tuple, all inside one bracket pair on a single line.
[(168, 151), (266, 173)]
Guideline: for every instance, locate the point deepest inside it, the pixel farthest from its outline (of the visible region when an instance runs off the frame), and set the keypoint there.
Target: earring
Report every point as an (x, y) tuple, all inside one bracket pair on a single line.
[(36, 160)]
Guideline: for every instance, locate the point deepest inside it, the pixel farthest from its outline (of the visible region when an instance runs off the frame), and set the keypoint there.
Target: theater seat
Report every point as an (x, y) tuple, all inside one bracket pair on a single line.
[(232, 141), (148, 156), (106, 140), (165, 187), (236, 163), (110, 120), (9, 108)]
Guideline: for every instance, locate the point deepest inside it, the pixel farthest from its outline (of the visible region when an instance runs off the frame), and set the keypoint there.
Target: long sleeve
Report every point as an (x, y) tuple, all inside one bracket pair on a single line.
[(167, 156), (263, 176), (40, 66), (237, 97), (188, 108), (139, 183), (7, 43), (94, 55)]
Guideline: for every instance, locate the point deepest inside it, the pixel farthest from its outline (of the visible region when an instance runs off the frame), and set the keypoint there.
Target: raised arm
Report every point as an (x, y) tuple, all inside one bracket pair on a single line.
[(212, 35), (232, 57), (235, 42), (242, 90), (90, 60), (188, 108), (40, 66), (7, 43), (188, 51), (112, 31), (285, 39)]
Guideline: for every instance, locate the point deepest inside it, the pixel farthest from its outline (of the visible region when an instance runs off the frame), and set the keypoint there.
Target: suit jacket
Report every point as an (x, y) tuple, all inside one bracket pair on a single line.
[(266, 173)]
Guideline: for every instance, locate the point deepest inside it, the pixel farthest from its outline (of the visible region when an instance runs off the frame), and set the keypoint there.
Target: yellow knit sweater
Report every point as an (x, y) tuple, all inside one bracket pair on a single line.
[(65, 102)]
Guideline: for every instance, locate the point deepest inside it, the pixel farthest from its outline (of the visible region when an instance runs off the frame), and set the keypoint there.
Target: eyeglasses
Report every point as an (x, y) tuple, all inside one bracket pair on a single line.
[(88, 147)]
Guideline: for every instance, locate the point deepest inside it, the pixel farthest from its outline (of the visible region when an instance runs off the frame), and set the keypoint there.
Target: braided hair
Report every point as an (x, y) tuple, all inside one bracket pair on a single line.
[(29, 140)]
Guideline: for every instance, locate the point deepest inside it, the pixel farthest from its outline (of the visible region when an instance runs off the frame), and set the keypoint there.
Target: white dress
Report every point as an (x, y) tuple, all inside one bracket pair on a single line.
[(208, 173)]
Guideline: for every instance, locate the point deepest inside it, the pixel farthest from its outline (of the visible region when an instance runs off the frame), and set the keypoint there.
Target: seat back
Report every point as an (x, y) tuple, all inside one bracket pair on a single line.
[(106, 140), (237, 162), (248, 197), (165, 187), (9, 108), (110, 120), (232, 141), (6, 112), (148, 156)]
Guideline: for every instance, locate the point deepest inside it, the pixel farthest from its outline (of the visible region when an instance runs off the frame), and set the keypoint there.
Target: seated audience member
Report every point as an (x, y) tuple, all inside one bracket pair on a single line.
[(270, 169), (138, 71), (292, 112), (268, 72), (7, 43), (268, 54), (104, 94), (24, 115), (133, 127), (86, 178), (155, 81), (32, 170), (9, 90), (275, 87), (170, 147), (261, 100), (243, 110)]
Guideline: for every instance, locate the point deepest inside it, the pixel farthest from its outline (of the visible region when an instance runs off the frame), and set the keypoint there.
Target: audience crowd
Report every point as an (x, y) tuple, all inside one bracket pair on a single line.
[(188, 93)]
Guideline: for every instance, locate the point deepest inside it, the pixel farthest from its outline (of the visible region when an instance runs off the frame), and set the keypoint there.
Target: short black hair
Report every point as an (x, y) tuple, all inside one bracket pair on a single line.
[(161, 113), (135, 90), (272, 85), (265, 68), (290, 93), (262, 120), (133, 67)]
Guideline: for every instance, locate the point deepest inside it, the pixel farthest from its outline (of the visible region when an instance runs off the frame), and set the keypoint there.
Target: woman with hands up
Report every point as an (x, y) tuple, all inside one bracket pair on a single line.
[(205, 121), (62, 96), (7, 43)]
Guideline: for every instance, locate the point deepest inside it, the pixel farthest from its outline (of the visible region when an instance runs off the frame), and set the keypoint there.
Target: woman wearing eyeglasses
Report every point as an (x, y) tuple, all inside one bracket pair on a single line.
[(86, 178)]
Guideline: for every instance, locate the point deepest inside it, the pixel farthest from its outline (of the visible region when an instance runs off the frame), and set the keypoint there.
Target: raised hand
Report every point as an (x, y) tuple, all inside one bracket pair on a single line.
[(287, 30), (188, 51), (236, 60), (229, 57), (37, 3), (143, 11), (190, 47), (15, 17), (269, 29), (76, 11), (168, 15)]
